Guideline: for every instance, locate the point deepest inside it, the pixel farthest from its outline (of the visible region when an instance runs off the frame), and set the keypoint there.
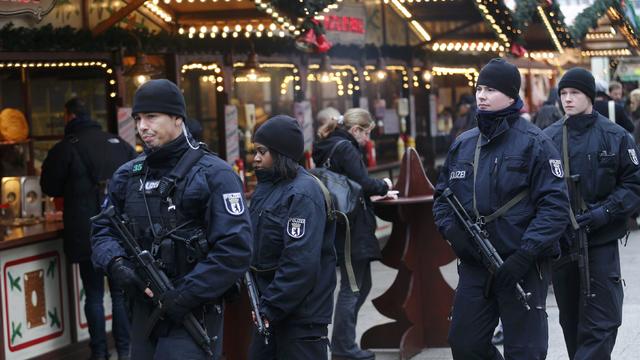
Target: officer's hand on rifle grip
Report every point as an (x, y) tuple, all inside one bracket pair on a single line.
[(173, 306), (594, 218), (255, 321), (513, 270), (123, 273)]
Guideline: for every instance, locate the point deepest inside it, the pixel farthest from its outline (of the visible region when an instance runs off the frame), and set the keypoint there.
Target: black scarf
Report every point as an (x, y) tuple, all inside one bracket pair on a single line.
[(488, 121)]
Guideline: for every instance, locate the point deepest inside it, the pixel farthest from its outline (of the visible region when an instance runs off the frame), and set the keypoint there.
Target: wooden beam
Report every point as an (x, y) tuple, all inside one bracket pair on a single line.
[(117, 16), (85, 14)]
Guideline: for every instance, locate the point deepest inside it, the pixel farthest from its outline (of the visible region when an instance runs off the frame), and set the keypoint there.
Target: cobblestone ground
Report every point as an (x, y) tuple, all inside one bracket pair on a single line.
[(628, 341)]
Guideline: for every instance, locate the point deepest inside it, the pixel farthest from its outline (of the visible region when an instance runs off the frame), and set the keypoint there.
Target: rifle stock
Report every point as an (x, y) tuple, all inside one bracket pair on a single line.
[(158, 281), (488, 254)]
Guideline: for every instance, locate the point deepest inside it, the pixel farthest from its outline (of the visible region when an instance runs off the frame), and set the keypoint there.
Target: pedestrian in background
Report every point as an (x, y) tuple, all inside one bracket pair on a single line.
[(186, 207), (549, 112), (505, 163), (609, 108), (465, 116), (293, 259), (339, 148), (634, 112), (605, 157), (77, 169)]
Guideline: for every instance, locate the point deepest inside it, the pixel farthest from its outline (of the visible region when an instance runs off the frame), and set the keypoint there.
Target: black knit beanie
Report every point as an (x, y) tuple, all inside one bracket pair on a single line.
[(581, 79), (283, 134), (161, 96), (502, 76)]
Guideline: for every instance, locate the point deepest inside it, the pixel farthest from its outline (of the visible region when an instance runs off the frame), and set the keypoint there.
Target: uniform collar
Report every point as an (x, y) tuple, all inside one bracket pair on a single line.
[(582, 122), (167, 155)]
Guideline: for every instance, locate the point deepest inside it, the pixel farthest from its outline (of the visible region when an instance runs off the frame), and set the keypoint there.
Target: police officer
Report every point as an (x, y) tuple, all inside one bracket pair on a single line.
[(294, 259), (187, 208), (77, 168), (605, 157), (503, 172)]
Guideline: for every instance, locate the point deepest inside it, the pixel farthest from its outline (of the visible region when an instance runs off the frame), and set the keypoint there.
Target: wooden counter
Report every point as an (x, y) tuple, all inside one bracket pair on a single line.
[(42, 299)]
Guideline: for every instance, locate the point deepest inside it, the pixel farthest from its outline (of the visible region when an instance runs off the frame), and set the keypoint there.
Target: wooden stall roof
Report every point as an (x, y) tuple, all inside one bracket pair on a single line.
[(607, 29), (542, 26), (465, 21)]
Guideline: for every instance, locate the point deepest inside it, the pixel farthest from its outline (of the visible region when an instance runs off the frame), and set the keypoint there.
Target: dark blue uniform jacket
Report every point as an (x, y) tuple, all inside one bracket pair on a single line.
[(228, 230), (606, 158), (517, 156), (294, 260)]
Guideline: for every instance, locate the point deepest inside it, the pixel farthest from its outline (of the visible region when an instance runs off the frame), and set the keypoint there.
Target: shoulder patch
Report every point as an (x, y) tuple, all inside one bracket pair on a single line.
[(233, 203), (633, 156), (295, 227), (114, 140), (556, 168)]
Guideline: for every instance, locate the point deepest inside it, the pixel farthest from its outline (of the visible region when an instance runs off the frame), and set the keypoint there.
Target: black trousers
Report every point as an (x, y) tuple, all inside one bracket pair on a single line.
[(171, 341), (590, 330), (475, 317), (291, 342)]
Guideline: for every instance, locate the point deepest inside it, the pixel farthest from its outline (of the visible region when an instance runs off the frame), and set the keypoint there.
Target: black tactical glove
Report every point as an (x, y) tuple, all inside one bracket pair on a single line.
[(513, 270), (594, 218), (123, 274), (173, 306), (461, 242)]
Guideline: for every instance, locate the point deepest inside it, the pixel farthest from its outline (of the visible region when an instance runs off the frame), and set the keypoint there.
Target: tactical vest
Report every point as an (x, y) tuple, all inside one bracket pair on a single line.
[(151, 206)]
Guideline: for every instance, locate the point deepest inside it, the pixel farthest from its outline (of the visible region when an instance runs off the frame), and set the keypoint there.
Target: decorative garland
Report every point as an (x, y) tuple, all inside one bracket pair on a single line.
[(304, 9), (48, 38)]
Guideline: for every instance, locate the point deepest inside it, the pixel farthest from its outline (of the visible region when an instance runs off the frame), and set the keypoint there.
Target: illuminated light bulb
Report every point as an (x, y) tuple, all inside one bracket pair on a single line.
[(141, 79)]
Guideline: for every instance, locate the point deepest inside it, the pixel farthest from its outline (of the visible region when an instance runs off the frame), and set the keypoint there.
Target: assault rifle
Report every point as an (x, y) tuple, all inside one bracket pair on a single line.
[(157, 280), (254, 299), (488, 254), (581, 243)]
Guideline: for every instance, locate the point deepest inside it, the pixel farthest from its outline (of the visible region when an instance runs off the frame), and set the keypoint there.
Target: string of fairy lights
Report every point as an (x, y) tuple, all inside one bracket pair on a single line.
[(111, 79)]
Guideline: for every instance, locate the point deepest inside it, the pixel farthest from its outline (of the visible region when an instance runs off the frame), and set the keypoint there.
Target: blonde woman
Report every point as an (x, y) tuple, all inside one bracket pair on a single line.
[(339, 149)]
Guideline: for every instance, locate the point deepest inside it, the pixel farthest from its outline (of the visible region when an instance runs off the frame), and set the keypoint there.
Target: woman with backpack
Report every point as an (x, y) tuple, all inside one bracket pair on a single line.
[(339, 150)]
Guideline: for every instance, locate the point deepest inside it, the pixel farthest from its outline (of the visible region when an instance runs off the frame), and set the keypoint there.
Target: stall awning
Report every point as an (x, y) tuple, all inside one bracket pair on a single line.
[(607, 29)]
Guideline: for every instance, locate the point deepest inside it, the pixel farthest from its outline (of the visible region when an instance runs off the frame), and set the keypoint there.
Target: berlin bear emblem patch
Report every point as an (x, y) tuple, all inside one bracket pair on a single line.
[(633, 156), (556, 168), (233, 203), (295, 227)]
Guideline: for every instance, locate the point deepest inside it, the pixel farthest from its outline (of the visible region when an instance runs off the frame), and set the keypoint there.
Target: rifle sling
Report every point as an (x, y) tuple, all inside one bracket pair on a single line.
[(567, 172), (504, 208)]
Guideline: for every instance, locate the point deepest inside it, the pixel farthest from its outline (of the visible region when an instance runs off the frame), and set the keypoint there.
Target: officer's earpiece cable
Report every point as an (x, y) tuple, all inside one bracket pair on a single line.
[(184, 132)]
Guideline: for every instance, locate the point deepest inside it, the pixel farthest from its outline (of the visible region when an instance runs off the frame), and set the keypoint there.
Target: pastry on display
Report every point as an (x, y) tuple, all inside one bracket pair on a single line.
[(13, 125)]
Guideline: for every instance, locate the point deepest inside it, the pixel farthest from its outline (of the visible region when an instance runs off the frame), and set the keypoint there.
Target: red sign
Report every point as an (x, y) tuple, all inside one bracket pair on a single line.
[(344, 24)]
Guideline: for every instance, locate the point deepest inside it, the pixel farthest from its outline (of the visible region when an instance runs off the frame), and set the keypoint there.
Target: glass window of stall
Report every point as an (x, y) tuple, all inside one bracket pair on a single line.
[(201, 85), (332, 87), (382, 90), (45, 90), (259, 93), (451, 88)]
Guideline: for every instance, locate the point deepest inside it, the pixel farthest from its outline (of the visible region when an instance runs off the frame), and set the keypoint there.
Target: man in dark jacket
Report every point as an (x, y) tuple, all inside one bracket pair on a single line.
[(605, 157), (76, 168), (505, 163), (186, 207)]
